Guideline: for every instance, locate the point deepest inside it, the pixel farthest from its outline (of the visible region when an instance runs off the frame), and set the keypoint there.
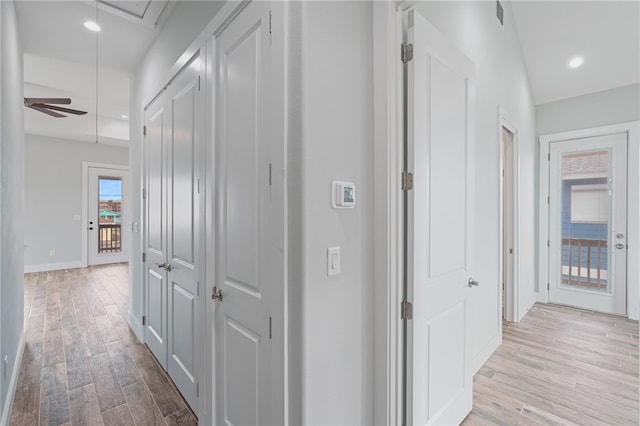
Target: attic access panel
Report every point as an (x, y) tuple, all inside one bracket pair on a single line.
[(146, 12)]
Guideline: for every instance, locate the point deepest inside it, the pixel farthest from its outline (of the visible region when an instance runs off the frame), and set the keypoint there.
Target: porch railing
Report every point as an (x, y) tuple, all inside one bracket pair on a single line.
[(584, 263), (110, 238)]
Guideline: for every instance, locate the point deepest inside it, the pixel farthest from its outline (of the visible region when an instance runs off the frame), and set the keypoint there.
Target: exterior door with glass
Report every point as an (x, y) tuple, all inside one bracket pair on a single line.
[(588, 223), (106, 215)]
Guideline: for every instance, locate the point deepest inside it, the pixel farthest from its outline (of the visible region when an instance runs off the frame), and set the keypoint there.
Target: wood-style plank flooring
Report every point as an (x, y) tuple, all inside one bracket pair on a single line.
[(82, 365), (561, 366)]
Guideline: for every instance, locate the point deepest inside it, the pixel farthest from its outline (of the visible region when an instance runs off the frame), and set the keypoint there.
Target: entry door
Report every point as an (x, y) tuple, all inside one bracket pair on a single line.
[(106, 215), (588, 223), (173, 228), (440, 227), (243, 284)]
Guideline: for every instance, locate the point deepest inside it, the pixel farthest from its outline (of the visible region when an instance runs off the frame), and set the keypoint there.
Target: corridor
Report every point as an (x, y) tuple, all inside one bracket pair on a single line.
[(82, 365)]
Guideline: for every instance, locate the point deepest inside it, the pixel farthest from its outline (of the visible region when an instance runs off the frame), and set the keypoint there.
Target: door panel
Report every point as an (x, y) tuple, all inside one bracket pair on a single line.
[(155, 233), (243, 345), (182, 232), (439, 227), (588, 205)]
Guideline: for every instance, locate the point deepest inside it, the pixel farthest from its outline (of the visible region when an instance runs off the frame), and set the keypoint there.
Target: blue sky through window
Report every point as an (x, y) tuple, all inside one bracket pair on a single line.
[(110, 189)]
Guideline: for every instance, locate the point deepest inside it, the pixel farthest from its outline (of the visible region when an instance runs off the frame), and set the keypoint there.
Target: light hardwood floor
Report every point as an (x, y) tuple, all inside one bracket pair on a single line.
[(82, 365), (560, 366)]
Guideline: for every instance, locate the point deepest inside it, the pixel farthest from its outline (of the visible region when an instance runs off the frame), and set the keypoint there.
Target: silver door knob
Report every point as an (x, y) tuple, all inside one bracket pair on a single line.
[(619, 236), (619, 246), (167, 267), (217, 294), (473, 283)]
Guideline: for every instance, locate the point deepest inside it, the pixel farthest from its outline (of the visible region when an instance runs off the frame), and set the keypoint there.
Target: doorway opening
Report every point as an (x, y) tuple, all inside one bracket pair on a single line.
[(509, 196)]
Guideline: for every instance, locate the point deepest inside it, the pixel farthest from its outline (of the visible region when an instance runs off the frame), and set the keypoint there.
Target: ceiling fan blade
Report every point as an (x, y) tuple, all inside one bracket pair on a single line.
[(59, 101), (61, 109), (46, 111)]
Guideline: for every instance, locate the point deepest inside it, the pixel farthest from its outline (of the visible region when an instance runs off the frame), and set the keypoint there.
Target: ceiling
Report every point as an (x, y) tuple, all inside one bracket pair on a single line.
[(605, 33), (60, 55), (60, 61)]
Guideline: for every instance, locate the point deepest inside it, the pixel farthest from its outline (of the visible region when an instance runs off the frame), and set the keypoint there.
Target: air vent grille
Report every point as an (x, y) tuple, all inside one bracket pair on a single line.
[(500, 13)]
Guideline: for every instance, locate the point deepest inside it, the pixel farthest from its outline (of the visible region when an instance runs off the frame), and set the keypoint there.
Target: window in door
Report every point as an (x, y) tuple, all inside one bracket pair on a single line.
[(109, 215)]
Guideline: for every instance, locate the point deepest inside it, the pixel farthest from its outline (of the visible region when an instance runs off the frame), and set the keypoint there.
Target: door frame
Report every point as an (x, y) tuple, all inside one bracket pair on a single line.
[(388, 217), (632, 129), (84, 260), (512, 311)]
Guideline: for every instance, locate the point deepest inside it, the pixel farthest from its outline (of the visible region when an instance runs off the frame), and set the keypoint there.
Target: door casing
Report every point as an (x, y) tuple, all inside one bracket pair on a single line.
[(632, 129), (85, 205)]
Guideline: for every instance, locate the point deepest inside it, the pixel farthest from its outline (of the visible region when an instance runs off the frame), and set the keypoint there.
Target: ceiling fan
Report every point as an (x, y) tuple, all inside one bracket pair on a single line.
[(42, 105)]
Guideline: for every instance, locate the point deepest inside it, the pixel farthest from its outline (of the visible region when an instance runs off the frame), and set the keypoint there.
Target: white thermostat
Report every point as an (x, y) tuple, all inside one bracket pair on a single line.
[(343, 195)]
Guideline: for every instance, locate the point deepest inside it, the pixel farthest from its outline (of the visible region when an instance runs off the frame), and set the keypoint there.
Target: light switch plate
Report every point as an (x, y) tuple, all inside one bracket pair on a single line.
[(333, 261)]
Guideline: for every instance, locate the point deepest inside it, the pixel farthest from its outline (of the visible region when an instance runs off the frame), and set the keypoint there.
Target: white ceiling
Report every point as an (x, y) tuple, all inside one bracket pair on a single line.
[(60, 61), (605, 33)]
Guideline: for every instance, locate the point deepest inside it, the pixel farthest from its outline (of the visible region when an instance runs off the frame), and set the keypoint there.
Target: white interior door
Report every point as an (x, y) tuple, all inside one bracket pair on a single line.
[(588, 223), (106, 215), (183, 230), (155, 247), (440, 227), (172, 211), (243, 281)]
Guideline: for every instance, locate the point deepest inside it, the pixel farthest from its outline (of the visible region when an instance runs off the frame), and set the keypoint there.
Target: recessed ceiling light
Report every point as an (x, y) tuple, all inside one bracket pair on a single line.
[(125, 116), (92, 26), (576, 62)]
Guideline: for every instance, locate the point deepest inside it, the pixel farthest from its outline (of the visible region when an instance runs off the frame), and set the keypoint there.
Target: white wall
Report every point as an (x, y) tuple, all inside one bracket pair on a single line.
[(11, 203), (619, 105), (332, 103), (53, 195), (187, 20), (501, 81)]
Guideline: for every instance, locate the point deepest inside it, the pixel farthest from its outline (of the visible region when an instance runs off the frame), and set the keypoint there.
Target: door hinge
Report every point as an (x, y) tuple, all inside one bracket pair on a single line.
[(270, 328), (144, 130), (548, 243), (198, 289), (547, 286), (269, 174), (549, 199), (406, 52), (406, 310), (144, 320), (197, 390), (549, 157), (144, 257), (144, 193), (407, 181), (198, 83), (269, 28), (198, 186)]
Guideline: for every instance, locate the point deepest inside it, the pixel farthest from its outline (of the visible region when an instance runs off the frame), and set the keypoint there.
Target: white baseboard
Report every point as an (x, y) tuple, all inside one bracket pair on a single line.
[(485, 353), (136, 326), (8, 403), (54, 266)]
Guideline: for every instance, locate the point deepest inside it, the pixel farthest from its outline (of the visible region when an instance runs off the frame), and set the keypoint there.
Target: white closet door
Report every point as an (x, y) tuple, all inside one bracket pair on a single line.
[(183, 230), (156, 122), (243, 138)]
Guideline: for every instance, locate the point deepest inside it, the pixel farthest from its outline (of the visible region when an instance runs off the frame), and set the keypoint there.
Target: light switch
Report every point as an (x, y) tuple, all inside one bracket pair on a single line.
[(333, 261)]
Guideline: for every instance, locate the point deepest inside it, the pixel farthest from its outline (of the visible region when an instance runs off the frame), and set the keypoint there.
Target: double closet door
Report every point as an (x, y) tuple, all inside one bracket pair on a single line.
[(173, 228)]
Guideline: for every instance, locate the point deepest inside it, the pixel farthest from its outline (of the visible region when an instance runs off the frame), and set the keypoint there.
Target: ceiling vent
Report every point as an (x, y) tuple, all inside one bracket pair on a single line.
[(500, 13)]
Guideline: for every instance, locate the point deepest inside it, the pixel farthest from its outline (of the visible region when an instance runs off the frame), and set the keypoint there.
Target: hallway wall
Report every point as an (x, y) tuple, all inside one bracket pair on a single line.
[(11, 201), (53, 195)]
